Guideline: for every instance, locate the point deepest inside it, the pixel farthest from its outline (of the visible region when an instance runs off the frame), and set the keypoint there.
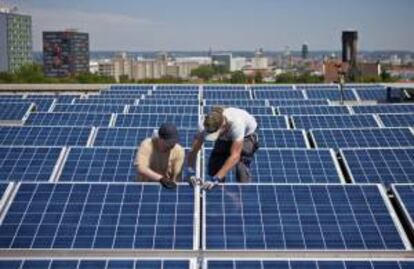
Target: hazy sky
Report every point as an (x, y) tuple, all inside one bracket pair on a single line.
[(226, 24)]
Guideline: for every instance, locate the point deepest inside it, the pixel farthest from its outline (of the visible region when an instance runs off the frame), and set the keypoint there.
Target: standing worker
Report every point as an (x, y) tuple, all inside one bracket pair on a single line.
[(236, 141), (160, 158)]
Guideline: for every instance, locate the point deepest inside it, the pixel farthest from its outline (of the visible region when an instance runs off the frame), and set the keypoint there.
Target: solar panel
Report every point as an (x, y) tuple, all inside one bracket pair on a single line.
[(131, 88), (298, 102), (291, 166), (228, 94), (333, 121), (384, 109), (358, 138), (330, 94), (223, 88), (235, 102), (397, 120), (12, 112), (3, 187), (66, 99), (89, 108), (404, 194), (44, 136), (169, 102), (155, 120), (291, 94), (172, 96), (317, 87), (176, 87), (10, 96), (387, 165), (301, 217), (271, 88), (99, 165), (176, 91), (272, 122), (106, 95), (68, 263), (313, 110), (254, 110), (68, 119), (28, 163), (309, 264), (143, 109), (132, 137), (280, 138), (108, 101), (372, 94), (42, 104), (100, 216)]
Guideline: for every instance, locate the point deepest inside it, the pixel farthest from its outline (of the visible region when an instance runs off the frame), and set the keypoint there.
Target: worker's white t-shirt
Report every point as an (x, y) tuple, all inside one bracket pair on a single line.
[(241, 124)]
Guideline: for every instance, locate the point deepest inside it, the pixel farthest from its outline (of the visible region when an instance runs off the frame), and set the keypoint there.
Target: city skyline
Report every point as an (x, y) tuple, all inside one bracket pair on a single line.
[(232, 25)]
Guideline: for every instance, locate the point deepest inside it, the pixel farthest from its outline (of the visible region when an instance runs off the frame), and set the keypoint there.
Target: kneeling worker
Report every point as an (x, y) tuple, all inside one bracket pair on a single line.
[(160, 158)]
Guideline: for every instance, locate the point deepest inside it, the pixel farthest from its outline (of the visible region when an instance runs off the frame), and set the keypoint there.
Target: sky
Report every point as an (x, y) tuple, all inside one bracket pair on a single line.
[(136, 25)]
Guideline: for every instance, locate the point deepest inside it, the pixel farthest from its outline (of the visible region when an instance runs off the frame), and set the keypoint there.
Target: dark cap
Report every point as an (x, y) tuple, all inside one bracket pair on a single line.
[(168, 132)]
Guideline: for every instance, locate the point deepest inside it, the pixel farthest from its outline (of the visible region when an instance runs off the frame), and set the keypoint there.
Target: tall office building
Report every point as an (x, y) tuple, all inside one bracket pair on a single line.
[(305, 51), (65, 53), (15, 40), (349, 47)]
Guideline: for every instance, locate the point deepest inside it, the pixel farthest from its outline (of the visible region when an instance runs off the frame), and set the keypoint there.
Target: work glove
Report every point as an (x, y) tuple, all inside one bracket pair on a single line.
[(193, 181), (168, 183), (209, 184)]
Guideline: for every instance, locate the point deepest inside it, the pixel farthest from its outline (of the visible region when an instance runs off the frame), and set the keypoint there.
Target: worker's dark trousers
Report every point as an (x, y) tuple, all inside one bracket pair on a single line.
[(222, 150)]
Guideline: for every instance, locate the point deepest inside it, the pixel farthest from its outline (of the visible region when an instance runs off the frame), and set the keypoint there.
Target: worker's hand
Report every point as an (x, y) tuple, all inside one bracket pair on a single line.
[(191, 177), (209, 184), (168, 183)]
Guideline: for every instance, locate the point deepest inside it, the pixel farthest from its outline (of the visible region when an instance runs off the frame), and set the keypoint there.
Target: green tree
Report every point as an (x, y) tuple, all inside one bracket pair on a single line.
[(258, 77), (238, 77)]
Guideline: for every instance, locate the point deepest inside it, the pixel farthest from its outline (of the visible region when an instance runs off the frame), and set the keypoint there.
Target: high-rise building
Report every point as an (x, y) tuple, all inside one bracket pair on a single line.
[(305, 51), (222, 59), (65, 53), (15, 40), (349, 46)]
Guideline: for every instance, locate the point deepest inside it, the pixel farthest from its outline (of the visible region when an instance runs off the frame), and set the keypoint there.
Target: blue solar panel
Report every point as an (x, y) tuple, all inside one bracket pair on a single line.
[(333, 121), (317, 87), (94, 264), (358, 138), (272, 88), (28, 163), (65, 99), (310, 264), (291, 94), (89, 108), (44, 136), (254, 110), (155, 120), (100, 216), (330, 94), (169, 102), (223, 88), (290, 166), (176, 91), (228, 94), (68, 119), (132, 137), (235, 102), (172, 96), (108, 101), (99, 165), (176, 87), (384, 109), (313, 110), (272, 122), (397, 120), (301, 217), (107, 95), (404, 193), (131, 87), (388, 165), (280, 138), (42, 104), (10, 97), (14, 111), (143, 109), (300, 102), (372, 94)]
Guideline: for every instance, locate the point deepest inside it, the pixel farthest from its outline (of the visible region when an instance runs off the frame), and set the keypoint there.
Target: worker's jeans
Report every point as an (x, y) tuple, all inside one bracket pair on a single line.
[(222, 150)]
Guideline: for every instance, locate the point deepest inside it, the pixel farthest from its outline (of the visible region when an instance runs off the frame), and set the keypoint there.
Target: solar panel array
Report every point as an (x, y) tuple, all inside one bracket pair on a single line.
[(404, 194), (14, 111), (72, 158)]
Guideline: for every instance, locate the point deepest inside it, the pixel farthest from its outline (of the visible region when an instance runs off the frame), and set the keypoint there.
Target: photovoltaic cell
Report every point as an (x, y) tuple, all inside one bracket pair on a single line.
[(141, 109), (334, 95), (384, 109), (109, 101), (155, 120), (169, 102), (94, 264), (99, 165), (271, 122), (300, 217), (309, 264), (291, 94), (404, 193), (298, 102), (313, 110), (388, 165), (219, 95), (334, 121), (99, 216), (397, 120), (132, 137), (42, 104), (44, 136), (68, 119), (89, 108), (281, 138), (223, 88), (272, 88), (372, 94), (235, 102), (289, 166), (14, 111), (28, 163), (359, 138), (159, 95)]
